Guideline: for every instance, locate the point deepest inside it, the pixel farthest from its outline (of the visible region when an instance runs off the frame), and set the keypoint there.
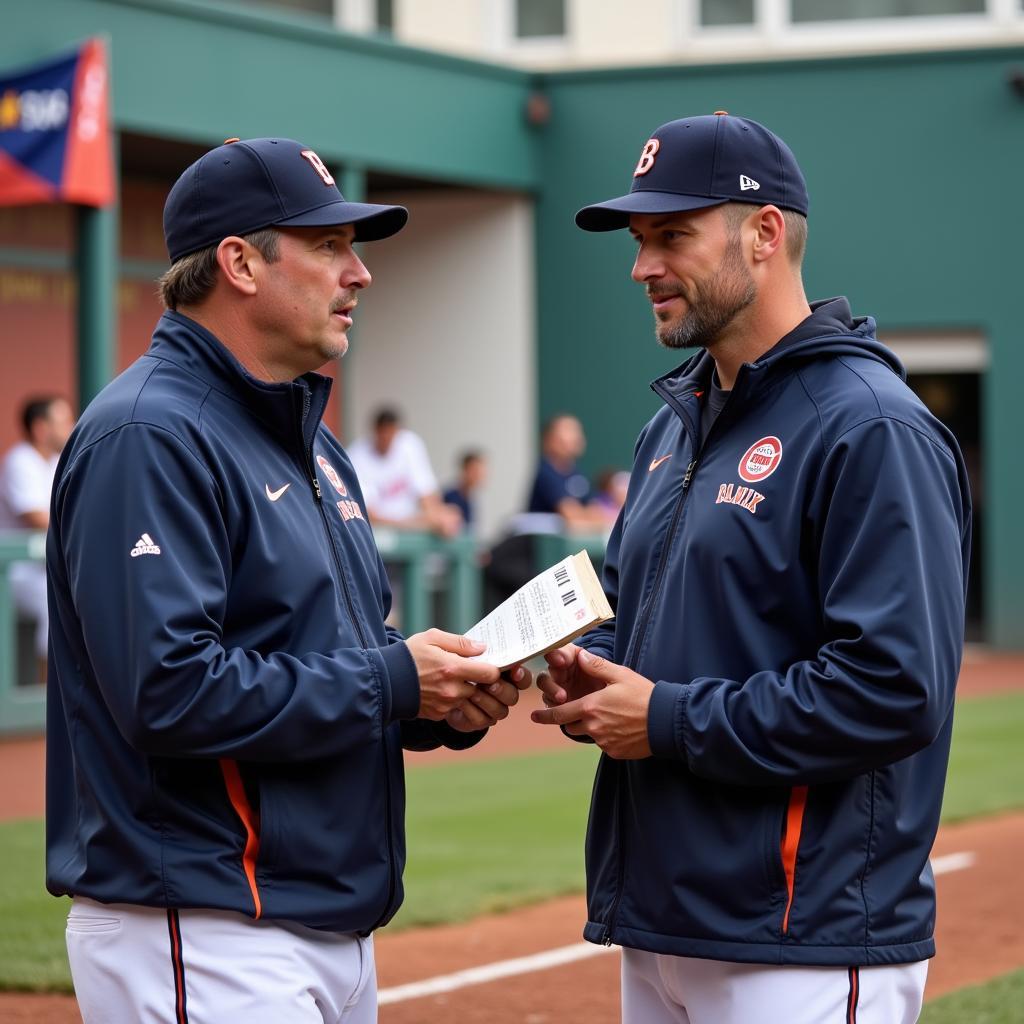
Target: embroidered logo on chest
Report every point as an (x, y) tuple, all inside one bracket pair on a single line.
[(757, 463), (760, 460), (348, 508), (745, 497)]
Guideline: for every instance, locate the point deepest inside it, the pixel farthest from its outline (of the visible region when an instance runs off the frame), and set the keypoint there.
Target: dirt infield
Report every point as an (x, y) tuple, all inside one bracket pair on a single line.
[(985, 672), (978, 934)]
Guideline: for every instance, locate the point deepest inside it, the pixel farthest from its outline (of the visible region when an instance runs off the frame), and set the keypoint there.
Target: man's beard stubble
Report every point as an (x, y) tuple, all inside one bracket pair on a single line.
[(714, 306)]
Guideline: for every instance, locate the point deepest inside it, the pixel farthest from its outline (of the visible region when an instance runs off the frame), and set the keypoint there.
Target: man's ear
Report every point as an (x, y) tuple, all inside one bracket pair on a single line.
[(769, 232), (237, 261)]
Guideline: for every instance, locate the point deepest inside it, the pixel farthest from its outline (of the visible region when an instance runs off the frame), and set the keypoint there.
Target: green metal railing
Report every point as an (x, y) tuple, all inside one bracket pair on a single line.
[(553, 547), (22, 704), (413, 553)]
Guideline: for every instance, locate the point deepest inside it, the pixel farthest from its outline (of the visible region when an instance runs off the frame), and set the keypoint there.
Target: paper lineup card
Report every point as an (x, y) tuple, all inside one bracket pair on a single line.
[(556, 606)]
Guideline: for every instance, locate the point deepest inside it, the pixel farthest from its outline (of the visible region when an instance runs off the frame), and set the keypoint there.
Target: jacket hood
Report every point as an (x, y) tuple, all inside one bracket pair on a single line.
[(830, 331)]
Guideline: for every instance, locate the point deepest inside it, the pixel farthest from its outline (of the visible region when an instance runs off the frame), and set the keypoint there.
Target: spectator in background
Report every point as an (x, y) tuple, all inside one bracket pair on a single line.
[(611, 486), (26, 477), (472, 473), (559, 487), (397, 481)]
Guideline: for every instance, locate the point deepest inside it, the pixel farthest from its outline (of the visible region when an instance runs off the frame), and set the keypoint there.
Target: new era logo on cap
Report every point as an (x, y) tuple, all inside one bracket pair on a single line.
[(697, 162)]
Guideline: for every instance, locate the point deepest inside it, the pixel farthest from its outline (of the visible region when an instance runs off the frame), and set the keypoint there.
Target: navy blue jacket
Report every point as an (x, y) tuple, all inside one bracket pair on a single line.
[(795, 588), (226, 706)]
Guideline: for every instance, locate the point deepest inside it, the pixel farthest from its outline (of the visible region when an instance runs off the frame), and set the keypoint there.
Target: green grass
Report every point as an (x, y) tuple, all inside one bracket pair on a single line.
[(32, 954), (490, 835), (996, 1002), (986, 765)]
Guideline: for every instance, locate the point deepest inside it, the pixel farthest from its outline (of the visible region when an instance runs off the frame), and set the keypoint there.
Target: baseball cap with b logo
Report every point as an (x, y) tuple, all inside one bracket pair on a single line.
[(244, 186), (705, 161)]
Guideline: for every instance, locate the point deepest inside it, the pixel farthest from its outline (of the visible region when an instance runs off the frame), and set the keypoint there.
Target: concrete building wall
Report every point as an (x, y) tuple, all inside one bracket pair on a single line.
[(456, 26), (609, 33)]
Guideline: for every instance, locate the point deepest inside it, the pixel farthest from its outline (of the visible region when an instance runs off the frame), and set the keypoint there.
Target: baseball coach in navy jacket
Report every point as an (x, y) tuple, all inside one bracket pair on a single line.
[(227, 709), (774, 697)]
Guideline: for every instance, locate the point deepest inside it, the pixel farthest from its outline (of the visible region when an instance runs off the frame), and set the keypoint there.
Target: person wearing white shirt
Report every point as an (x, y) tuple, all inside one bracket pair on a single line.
[(398, 482), (26, 477)]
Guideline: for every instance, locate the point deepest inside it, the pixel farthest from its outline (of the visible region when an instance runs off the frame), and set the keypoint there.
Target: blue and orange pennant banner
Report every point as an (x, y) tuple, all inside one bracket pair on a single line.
[(55, 131)]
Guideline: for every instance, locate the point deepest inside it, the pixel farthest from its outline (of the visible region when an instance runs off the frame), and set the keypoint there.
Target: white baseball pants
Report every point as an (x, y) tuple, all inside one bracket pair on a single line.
[(150, 966), (659, 989)]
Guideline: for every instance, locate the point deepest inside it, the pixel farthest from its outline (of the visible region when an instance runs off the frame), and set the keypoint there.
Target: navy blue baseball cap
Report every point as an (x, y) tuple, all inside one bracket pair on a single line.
[(243, 186), (705, 161)]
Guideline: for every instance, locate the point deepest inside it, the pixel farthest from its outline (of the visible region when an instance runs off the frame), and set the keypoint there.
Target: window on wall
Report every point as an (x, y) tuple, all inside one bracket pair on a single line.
[(324, 7), (846, 10), (540, 19), (385, 16), (715, 13), (727, 12)]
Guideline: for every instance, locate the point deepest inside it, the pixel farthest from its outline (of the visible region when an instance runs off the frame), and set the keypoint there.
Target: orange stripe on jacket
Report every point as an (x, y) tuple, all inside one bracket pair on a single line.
[(790, 843), (240, 802)]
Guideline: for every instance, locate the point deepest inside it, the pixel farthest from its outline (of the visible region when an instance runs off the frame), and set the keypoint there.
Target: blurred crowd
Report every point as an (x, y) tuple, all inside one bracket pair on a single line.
[(401, 490)]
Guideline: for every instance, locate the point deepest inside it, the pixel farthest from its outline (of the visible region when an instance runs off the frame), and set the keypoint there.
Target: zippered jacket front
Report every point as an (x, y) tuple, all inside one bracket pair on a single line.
[(794, 586), (226, 707)]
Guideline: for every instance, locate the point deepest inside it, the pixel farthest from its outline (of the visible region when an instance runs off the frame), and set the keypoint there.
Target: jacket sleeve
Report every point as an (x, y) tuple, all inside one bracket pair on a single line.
[(890, 518), (152, 624), (422, 734)]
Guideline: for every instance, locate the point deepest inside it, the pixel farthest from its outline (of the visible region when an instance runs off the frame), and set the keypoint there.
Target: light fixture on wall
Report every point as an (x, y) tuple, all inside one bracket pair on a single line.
[(537, 109)]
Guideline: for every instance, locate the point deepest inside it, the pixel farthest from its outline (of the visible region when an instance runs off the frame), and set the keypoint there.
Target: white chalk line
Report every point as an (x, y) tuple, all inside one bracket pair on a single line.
[(952, 862), (491, 972), (563, 955)]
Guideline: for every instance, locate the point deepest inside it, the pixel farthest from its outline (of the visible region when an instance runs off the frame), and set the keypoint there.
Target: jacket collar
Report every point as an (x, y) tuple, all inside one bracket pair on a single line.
[(292, 408)]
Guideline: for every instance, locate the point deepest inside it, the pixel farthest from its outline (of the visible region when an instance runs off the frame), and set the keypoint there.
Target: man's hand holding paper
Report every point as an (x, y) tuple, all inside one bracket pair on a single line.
[(593, 697)]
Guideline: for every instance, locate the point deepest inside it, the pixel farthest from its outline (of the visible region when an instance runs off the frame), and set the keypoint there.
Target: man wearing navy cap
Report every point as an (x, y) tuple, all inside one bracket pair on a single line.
[(227, 709), (774, 697)]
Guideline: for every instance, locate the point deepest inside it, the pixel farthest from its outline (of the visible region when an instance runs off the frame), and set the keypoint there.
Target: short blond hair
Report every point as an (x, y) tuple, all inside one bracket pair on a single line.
[(191, 278)]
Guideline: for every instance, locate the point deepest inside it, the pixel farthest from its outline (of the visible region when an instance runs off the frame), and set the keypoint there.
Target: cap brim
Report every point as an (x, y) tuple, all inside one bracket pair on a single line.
[(371, 220), (615, 213)]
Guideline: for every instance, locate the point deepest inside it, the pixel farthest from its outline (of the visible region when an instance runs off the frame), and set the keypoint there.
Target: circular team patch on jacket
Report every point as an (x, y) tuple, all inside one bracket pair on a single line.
[(332, 475), (761, 459)]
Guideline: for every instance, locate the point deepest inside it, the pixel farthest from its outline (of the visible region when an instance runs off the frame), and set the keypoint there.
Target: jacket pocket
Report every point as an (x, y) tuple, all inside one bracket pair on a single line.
[(789, 846), (250, 819)]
